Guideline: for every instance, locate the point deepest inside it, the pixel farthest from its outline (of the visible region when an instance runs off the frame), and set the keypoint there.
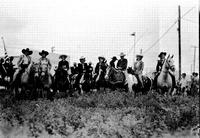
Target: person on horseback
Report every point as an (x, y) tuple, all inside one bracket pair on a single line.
[(90, 70), (74, 69), (2, 69), (23, 63), (101, 65), (44, 62), (100, 68), (9, 66), (63, 65), (112, 62), (82, 69), (159, 65), (138, 68), (122, 62)]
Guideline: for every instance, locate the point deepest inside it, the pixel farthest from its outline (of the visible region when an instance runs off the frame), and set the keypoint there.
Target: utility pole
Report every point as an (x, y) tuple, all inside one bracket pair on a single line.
[(52, 49), (179, 39), (194, 60)]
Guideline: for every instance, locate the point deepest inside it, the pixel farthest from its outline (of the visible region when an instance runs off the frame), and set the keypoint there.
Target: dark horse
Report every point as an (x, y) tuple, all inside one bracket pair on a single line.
[(147, 82), (61, 81), (120, 79), (24, 85)]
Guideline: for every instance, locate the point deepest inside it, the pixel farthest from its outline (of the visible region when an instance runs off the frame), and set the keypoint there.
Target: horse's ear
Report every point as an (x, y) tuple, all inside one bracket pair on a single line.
[(168, 56)]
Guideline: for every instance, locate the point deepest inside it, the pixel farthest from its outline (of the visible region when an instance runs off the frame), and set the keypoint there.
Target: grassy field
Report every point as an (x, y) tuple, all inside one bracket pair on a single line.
[(101, 115)]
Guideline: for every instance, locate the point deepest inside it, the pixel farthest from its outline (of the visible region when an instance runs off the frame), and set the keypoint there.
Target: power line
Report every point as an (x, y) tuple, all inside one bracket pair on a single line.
[(189, 20), (154, 44)]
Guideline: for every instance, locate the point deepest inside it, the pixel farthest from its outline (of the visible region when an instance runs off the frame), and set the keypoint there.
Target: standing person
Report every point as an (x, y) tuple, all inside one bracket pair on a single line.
[(24, 62), (44, 62), (138, 68), (183, 83), (112, 62), (122, 62)]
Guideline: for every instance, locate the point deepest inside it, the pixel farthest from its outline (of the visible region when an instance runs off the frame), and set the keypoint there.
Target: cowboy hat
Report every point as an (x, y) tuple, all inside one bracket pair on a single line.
[(162, 53), (27, 50), (101, 57), (114, 58), (43, 52), (139, 55), (122, 54), (82, 58), (65, 56)]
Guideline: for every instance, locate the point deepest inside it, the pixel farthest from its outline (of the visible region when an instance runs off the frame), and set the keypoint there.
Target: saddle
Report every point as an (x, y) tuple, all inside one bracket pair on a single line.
[(117, 77)]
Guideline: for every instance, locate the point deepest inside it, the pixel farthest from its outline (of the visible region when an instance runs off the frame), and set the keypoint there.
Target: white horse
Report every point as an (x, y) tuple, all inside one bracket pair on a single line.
[(164, 80)]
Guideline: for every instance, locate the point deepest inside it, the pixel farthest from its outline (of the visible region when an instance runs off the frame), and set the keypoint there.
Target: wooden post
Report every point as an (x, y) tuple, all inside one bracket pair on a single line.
[(179, 39)]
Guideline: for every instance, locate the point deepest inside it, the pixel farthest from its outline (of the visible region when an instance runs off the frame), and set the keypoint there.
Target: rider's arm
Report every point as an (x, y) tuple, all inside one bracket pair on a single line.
[(20, 60), (49, 64), (157, 66), (125, 64)]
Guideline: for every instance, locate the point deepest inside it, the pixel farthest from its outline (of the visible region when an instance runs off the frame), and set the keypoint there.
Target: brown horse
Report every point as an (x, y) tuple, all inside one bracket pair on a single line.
[(46, 81), (164, 80)]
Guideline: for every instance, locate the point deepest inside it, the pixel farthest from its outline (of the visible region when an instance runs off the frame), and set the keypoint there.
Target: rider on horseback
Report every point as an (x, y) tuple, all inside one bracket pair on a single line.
[(100, 68), (138, 68), (112, 62), (159, 65), (63, 65), (122, 62), (9, 67), (82, 69), (24, 63), (44, 62)]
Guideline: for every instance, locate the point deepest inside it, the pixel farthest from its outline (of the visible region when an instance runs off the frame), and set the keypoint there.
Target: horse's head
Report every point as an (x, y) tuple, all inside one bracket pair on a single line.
[(169, 63), (108, 72), (43, 70), (35, 69)]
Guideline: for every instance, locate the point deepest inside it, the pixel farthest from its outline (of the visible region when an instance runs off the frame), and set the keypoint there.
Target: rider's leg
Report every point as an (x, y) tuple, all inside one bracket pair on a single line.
[(16, 74), (155, 81), (140, 78)]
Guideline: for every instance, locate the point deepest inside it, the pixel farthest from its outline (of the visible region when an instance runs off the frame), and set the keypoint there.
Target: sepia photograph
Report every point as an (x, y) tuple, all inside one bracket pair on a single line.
[(99, 69)]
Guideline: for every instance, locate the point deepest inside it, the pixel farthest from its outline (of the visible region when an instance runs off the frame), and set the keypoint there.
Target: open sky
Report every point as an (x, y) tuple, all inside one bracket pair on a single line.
[(100, 27)]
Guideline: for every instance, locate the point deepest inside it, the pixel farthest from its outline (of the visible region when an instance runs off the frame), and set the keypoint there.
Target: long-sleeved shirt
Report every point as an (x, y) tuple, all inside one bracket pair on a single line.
[(138, 67), (122, 64)]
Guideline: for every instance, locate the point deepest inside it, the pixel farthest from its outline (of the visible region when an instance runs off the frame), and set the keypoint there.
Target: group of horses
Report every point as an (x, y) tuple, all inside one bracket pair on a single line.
[(34, 83)]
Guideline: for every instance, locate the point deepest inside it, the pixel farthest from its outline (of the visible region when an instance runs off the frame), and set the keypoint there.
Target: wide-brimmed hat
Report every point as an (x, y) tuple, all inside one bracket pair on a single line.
[(162, 53), (65, 56), (27, 50), (82, 58), (101, 57), (139, 55), (122, 54), (43, 52), (114, 58)]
